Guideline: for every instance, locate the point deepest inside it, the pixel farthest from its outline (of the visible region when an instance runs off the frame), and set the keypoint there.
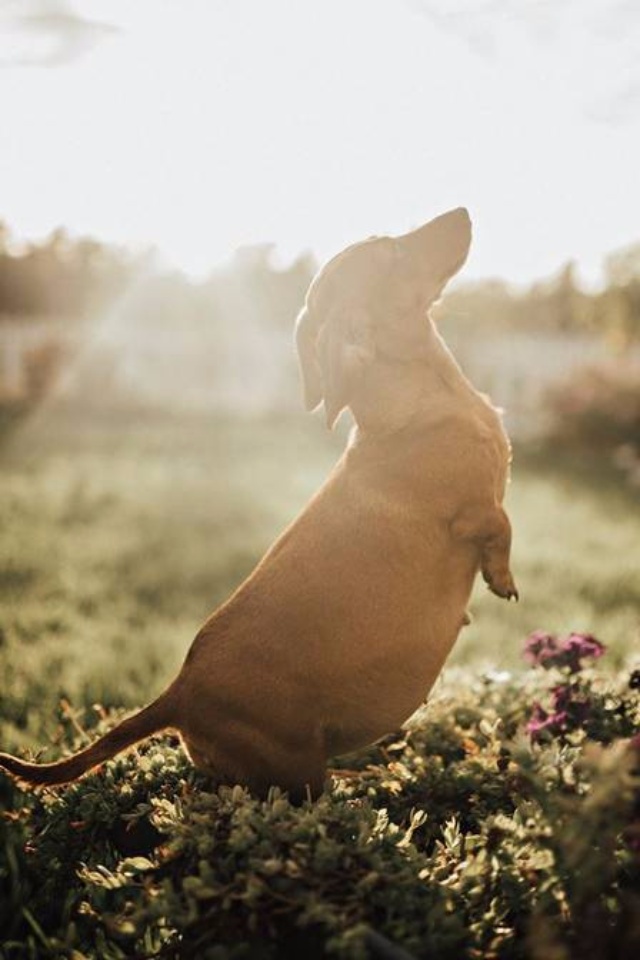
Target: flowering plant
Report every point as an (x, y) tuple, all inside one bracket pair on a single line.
[(570, 705), (546, 650)]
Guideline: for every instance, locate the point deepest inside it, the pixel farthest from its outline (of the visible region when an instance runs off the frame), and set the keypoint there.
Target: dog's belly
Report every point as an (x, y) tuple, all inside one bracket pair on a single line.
[(331, 656), (384, 693)]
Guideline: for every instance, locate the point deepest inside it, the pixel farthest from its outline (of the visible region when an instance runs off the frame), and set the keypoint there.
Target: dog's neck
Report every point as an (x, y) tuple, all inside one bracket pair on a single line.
[(396, 393)]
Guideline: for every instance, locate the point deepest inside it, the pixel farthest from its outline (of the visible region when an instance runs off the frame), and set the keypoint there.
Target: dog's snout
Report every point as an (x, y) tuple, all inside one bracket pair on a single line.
[(461, 214), (439, 247)]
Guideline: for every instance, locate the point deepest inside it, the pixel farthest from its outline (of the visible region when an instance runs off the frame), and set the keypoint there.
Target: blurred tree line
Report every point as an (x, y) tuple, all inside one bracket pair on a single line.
[(59, 276), (157, 336), (137, 329), (558, 303), (65, 277), (71, 277)]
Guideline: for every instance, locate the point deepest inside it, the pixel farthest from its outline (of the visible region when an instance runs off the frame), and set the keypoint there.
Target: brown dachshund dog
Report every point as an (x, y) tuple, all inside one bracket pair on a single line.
[(340, 631)]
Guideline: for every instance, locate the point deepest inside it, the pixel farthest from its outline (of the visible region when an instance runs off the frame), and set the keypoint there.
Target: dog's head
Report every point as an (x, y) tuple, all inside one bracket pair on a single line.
[(371, 301)]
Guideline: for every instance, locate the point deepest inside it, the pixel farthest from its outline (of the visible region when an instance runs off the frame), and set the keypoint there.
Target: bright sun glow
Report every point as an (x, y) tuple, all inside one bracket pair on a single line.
[(199, 126)]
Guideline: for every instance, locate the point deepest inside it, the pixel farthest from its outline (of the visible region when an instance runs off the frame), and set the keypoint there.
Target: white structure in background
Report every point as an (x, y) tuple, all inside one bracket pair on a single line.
[(517, 367)]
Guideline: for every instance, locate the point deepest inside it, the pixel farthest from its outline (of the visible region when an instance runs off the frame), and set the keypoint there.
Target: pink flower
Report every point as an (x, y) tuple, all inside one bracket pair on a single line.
[(546, 650), (540, 647), (574, 708), (577, 647), (567, 713), (541, 722)]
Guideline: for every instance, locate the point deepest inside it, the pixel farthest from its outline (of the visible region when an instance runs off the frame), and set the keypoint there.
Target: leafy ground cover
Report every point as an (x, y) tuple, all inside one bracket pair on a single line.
[(504, 823), (477, 832)]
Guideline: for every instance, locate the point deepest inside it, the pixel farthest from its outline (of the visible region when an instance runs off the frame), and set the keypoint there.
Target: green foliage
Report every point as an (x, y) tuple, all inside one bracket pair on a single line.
[(558, 303), (455, 838)]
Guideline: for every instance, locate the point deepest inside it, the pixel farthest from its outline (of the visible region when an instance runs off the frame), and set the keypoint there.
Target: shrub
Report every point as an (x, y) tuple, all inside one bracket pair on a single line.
[(597, 407), (42, 365), (460, 837)]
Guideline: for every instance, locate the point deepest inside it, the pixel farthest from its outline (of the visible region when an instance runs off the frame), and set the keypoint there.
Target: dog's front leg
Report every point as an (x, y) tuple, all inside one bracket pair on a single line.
[(489, 528)]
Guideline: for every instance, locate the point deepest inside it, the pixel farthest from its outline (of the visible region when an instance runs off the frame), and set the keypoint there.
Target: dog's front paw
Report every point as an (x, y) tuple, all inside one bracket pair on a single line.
[(501, 583)]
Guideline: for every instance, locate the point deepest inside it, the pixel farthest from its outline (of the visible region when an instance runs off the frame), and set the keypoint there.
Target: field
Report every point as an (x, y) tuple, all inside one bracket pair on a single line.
[(119, 536)]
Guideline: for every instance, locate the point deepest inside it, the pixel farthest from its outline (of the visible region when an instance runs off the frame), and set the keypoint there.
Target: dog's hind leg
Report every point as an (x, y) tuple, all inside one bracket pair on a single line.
[(490, 529)]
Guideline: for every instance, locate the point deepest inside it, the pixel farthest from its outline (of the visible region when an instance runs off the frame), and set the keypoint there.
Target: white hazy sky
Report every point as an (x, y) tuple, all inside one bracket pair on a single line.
[(200, 125)]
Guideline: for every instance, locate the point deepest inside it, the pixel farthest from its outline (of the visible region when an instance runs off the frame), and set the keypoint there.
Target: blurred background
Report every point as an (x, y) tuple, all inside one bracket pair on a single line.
[(172, 174)]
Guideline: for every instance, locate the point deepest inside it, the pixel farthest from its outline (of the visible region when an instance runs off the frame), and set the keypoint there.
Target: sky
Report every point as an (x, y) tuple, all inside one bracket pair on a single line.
[(202, 125)]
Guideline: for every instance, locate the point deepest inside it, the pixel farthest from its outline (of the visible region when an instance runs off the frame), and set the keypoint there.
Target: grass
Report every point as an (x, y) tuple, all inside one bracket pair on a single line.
[(576, 557), (119, 536)]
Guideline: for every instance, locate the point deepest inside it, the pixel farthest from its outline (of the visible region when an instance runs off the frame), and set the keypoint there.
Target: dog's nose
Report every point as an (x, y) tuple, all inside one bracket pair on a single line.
[(460, 213), (453, 221)]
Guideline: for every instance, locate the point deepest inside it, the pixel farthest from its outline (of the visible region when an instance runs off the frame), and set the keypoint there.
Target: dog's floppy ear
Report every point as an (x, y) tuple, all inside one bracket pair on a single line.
[(345, 348), (306, 335), (333, 330), (332, 356)]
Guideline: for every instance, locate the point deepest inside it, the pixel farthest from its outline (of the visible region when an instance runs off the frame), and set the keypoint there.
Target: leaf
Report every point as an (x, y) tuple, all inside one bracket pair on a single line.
[(137, 864)]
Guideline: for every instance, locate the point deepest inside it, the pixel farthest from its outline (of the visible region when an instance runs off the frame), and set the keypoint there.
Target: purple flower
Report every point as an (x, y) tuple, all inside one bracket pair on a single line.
[(565, 701), (577, 647), (546, 650), (543, 722), (540, 647), (567, 713)]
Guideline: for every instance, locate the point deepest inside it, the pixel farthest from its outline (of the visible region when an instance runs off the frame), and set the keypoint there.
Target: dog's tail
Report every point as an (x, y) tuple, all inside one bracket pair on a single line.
[(157, 716)]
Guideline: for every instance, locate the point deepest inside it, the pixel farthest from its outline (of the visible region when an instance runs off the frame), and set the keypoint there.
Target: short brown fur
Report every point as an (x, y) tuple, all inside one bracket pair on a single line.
[(340, 631)]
